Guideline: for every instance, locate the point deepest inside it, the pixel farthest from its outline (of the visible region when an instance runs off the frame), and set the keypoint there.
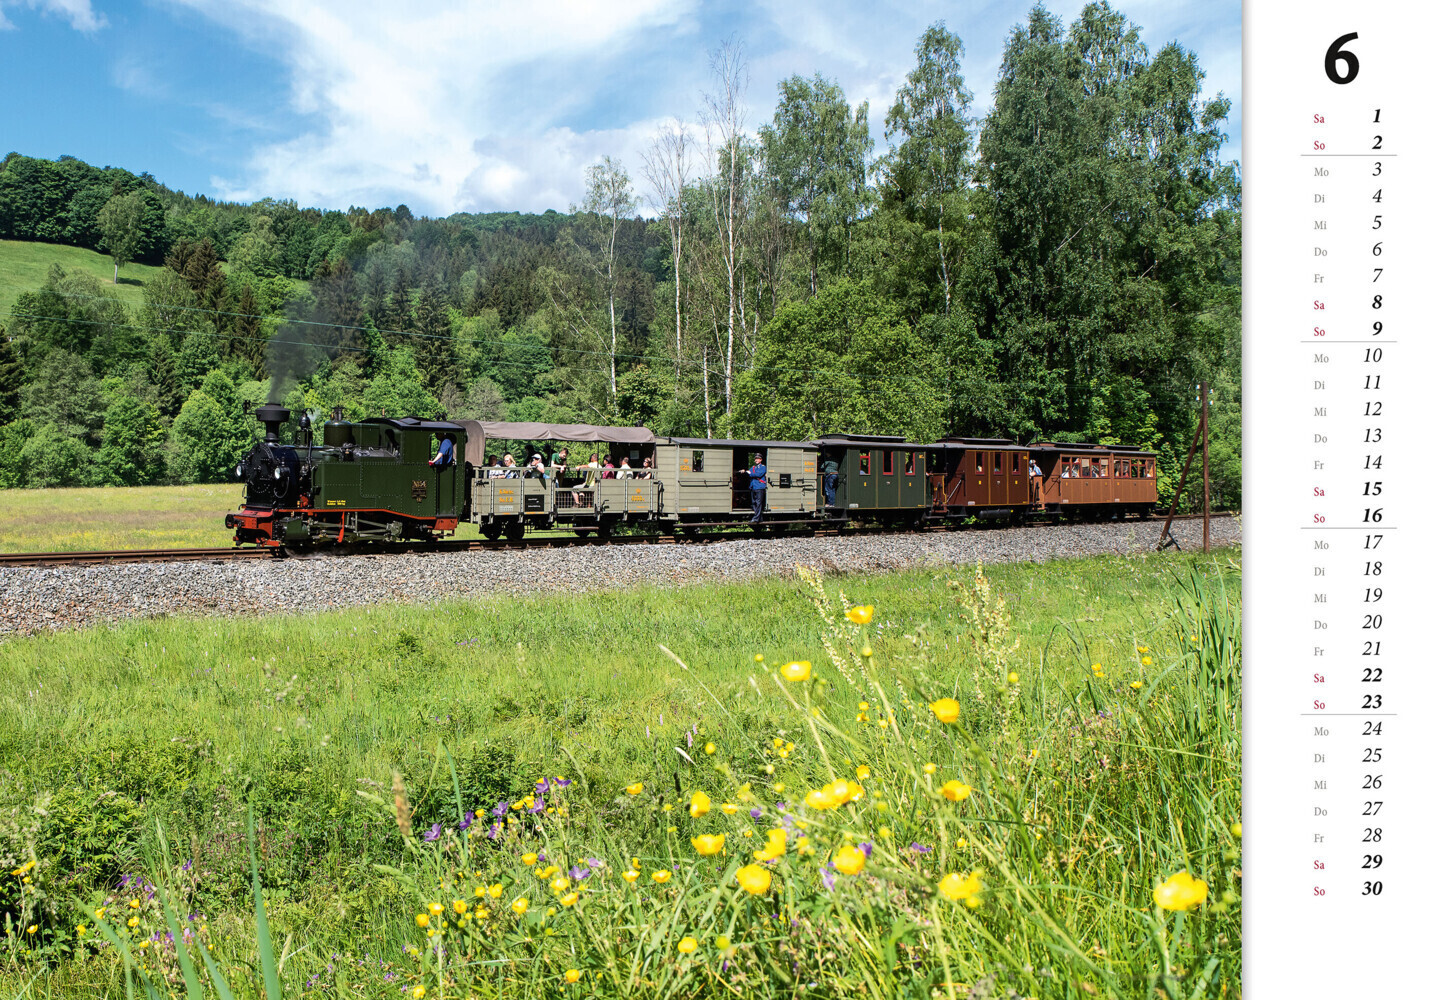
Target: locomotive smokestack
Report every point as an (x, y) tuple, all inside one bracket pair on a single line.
[(273, 416)]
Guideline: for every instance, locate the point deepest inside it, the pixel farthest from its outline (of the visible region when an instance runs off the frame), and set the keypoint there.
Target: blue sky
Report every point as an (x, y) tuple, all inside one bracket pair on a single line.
[(467, 106)]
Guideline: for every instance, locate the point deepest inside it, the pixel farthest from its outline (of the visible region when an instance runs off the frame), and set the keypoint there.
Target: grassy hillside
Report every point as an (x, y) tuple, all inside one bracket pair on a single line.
[(23, 267)]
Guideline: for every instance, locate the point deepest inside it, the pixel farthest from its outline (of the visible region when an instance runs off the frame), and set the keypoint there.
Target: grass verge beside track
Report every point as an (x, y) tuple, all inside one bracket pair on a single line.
[(1098, 730)]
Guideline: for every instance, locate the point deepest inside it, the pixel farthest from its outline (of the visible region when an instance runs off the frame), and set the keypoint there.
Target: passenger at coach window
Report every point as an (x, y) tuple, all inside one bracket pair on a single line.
[(625, 472), (444, 458), (1033, 469)]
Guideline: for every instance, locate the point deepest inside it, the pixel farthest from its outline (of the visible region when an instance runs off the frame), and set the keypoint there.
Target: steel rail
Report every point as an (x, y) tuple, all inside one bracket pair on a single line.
[(55, 559)]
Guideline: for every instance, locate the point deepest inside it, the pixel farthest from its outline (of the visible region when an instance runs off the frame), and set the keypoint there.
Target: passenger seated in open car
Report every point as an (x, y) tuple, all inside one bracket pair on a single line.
[(624, 471)]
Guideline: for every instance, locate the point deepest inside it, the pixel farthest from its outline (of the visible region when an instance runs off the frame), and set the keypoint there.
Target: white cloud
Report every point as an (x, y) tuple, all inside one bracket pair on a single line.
[(430, 103), (484, 105), (77, 12)]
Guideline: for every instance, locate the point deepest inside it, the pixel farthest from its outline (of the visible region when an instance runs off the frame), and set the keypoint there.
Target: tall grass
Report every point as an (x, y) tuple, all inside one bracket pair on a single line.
[(1096, 726)]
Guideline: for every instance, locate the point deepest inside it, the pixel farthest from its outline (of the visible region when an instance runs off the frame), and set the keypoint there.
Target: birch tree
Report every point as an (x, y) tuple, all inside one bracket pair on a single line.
[(722, 119), (668, 163)]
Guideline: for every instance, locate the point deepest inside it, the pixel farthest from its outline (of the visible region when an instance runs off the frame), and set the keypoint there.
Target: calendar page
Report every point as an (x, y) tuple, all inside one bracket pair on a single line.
[(1346, 357)]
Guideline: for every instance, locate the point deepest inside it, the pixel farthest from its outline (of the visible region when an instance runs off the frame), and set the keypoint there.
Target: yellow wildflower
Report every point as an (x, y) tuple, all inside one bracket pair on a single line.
[(571, 975), (1147, 661), (687, 945), (1012, 677), (707, 844), (797, 670), (962, 888), (863, 772), (861, 614), (496, 890), (661, 876), (520, 906), (929, 768), (419, 992), (955, 791), (559, 884), (774, 847), (636, 788), (569, 899), (710, 748), (530, 859), (849, 859), (946, 710), (435, 908), (630, 876), (699, 805), (754, 879), (421, 920), (729, 808), (1181, 891), (1136, 684)]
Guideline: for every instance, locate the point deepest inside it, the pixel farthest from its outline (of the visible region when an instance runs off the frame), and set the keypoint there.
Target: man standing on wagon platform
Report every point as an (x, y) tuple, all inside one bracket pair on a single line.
[(757, 473)]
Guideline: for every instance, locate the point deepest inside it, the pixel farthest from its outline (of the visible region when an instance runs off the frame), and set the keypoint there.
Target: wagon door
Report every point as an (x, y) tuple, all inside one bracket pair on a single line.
[(997, 482)]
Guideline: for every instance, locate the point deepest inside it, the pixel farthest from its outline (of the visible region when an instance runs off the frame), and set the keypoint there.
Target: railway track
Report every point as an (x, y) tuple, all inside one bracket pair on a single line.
[(51, 559)]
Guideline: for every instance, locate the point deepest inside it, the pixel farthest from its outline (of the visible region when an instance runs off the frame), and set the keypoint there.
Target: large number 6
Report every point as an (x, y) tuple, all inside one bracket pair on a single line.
[(1333, 55)]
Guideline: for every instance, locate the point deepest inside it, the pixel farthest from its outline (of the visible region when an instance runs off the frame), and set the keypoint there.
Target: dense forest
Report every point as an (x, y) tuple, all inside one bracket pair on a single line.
[(1062, 262)]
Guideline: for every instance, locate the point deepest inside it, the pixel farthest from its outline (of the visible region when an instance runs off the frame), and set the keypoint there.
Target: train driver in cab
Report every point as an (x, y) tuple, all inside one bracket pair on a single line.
[(444, 458)]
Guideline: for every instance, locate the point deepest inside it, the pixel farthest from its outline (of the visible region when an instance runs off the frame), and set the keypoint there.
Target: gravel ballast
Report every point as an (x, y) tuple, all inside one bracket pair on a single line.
[(37, 600)]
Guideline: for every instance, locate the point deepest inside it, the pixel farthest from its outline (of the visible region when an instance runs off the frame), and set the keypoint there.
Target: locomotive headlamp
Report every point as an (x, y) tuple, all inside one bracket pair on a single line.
[(238, 470), (277, 472)]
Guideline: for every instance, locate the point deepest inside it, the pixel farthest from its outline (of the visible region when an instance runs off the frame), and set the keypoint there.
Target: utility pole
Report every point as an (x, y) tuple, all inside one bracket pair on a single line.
[(1204, 424), (1200, 443)]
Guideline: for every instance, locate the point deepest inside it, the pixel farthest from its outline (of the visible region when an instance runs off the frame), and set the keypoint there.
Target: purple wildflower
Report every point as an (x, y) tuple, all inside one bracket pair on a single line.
[(828, 879), (538, 806), (540, 787), (495, 830), (467, 821), (689, 740), (433, 833), (186, 867), (594, 862), (579, 874), (756, 813), (865, 847), (499, 810), (563, 782), (919, 848)]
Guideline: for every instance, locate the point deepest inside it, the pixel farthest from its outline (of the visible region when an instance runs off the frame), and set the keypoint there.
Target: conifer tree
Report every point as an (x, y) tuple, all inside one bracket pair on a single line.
[(434, 346), (249, 344), (12, 376)]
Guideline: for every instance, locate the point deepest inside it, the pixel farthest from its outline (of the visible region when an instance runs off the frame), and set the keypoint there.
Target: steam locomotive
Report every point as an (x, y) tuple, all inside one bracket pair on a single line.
[(377, 480)]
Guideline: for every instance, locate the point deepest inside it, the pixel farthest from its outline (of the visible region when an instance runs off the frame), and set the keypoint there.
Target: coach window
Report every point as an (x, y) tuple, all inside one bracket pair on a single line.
[(979, 463), (911, 469), (1016, 458), (865, 469), (997, 463), (888, 461), (697, 461), (1149, 468)]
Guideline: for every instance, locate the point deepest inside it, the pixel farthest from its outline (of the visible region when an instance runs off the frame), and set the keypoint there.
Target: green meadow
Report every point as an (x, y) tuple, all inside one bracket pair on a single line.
[(112, 518), (24, 265), (1020, 784)]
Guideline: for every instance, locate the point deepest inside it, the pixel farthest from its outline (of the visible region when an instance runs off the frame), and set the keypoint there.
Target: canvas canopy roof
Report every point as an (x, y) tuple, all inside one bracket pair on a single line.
[(482, 431)]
